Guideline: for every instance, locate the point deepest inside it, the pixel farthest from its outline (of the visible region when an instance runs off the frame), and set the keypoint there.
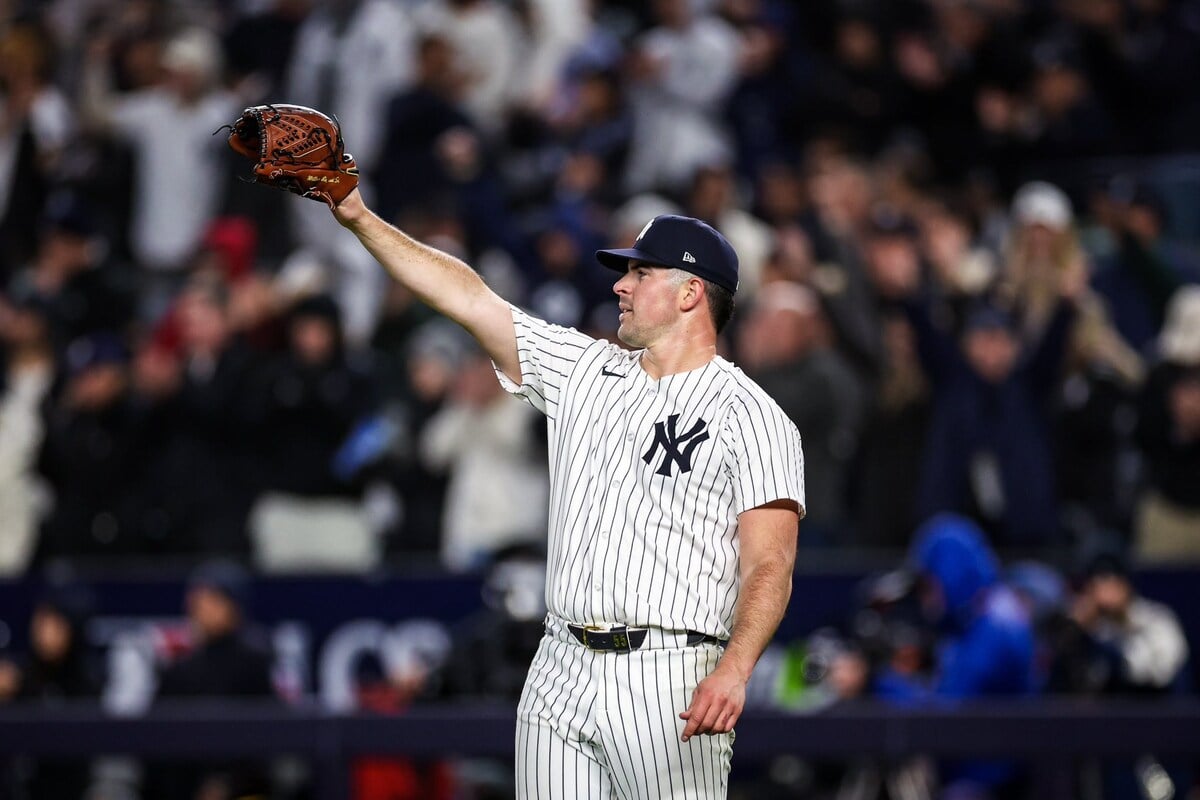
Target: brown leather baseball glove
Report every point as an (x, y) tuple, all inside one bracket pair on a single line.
[(297, 149)]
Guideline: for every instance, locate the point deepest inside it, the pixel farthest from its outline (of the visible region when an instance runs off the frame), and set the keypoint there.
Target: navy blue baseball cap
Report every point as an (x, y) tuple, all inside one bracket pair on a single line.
[(684, 243)]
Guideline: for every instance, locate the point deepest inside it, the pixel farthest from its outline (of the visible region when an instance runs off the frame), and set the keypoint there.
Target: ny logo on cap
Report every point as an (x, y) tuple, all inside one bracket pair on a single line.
[(666, 437), (645, 229)]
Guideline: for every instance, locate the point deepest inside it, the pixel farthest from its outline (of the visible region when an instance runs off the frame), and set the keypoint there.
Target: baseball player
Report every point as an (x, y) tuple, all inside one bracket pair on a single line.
[(676, 490)]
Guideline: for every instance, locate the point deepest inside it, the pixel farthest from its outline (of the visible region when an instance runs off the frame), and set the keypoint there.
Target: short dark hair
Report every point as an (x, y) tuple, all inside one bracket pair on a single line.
[(720, 304)]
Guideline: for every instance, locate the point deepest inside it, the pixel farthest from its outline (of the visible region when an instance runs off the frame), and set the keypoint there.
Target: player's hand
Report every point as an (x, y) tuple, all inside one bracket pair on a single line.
[(716, 704)]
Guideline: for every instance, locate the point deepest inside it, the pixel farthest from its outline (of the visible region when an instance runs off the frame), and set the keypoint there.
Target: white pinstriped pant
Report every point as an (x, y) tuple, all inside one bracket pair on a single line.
[(598, 726)]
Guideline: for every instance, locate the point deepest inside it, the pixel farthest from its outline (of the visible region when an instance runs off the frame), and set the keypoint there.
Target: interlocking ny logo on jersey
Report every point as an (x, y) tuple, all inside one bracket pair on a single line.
[(666, 437)]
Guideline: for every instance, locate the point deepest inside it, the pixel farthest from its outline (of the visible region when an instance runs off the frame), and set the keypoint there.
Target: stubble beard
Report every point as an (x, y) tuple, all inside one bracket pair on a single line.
[(633, 335)]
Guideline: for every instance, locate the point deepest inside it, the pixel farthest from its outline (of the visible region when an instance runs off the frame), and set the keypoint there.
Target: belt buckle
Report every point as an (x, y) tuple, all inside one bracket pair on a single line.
[(618, 640), (588, 630)]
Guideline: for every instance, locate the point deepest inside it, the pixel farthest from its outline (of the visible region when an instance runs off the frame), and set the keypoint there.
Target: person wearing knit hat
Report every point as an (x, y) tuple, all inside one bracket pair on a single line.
[(230, 657)]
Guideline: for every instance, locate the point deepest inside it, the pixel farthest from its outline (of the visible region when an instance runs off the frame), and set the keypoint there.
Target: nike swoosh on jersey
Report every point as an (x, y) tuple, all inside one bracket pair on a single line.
[(609, 373)]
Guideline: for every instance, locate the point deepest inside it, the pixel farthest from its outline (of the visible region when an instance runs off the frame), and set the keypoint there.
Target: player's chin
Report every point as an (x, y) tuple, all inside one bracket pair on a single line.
[(628, 335)]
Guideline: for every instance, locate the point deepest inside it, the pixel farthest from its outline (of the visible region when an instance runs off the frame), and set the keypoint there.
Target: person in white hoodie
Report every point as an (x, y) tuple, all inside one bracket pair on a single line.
[(499, 487)]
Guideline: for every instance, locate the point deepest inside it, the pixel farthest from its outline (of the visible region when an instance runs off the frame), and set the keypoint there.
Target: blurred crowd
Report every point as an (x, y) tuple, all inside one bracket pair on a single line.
[(967, 231), (954, 623), (949, 624)]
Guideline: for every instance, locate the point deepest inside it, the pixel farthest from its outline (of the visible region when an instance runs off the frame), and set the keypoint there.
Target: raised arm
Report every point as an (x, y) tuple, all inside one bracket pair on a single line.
[(937, 350), (768, 553), (441, 281)]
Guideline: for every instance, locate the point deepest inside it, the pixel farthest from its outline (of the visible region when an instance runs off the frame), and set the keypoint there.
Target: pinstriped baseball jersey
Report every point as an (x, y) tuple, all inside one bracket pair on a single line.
[(648, 478)]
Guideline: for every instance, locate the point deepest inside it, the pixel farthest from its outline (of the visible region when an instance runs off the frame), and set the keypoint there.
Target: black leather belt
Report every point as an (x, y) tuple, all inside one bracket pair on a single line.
[(697, 638), (623, 639), (617, 640)]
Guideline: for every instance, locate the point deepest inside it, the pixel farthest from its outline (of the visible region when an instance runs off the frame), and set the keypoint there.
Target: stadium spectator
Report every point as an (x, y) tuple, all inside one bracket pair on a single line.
[(60, 670), (959, 263), (713, 197), (38, 127), (1145, 264), (487, 42), (990, 645), (497, 494), (680, 73), (1138, 58), (567, 291), (186, 101), (1045, 253), (887, 464), (985, 648), (258, 48), (1138, 648), (1063, 652), (1043, 250), (1066, 117), (311, 401), (90, 455), (985, 644), (856, 246), (1168, 432), (1095, 451), (853, 88), (1140, 644), (228, 657), (592, 123), (348, 58), (414, 167), (780, 197), (228, 660), (551, 31), (492, 649), (29, 369), (197, 409), (69, 278), (430, 357), (258, 45), (784, 345), (988, 448), (759, 103)]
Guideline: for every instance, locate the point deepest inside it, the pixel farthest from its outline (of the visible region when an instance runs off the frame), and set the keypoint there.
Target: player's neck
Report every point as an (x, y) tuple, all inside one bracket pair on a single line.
[(677, 355)]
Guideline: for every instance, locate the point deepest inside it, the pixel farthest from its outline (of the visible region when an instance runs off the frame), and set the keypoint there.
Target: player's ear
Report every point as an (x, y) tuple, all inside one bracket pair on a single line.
[(691, 294)]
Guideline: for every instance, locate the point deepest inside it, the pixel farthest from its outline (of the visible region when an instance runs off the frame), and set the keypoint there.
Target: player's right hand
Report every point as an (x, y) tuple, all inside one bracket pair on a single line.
[(716, 704)]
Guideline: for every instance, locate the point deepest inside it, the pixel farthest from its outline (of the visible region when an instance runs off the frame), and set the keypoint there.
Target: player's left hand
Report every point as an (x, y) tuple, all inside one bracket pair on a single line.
[(297, 149), (716, 704)]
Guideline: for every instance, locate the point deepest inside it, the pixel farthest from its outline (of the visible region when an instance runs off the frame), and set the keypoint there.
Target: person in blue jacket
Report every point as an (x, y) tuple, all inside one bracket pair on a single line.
[(985, 643)]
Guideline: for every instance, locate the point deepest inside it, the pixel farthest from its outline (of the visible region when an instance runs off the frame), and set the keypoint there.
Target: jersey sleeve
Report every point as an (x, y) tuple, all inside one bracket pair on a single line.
[(546, 353), (765, 459)]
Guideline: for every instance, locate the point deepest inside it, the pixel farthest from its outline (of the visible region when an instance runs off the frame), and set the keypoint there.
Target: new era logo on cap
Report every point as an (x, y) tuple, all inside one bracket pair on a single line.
[(704, 251)]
